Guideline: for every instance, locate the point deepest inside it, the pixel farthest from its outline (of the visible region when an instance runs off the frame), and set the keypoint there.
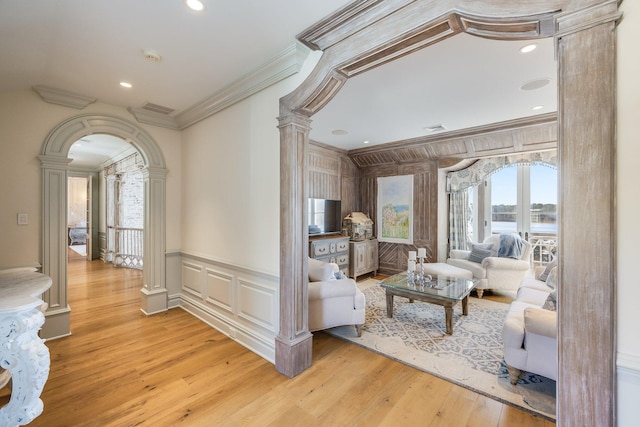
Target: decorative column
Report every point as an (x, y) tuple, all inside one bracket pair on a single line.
[(586, 50), (154, 290), (54, 232), (293, 349)]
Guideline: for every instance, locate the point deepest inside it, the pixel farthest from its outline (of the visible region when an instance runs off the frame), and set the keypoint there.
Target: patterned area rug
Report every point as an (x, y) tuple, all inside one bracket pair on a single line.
[(471, 357)]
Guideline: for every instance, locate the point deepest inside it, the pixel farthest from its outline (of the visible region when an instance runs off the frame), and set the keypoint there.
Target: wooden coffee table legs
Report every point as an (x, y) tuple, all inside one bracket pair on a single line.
[(446, 303)]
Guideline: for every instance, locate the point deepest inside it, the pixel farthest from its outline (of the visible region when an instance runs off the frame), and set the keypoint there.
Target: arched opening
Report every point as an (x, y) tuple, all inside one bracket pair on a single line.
[(55, 170), (586, 153)]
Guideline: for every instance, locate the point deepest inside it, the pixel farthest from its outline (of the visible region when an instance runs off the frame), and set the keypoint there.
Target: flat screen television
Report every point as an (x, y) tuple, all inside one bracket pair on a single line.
[(325, 216)]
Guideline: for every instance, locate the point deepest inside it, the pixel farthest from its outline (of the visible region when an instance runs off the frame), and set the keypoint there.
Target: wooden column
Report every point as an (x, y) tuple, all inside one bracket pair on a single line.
[(293, 343), (586, 307)]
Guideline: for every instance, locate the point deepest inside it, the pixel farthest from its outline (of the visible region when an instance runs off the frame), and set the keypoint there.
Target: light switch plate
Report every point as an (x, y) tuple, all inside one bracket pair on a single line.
[(23, 219)]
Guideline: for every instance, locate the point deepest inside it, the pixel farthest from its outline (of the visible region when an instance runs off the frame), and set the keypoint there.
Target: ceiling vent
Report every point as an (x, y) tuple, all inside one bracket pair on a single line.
[(148, 106), (151, 55), (434, 128)]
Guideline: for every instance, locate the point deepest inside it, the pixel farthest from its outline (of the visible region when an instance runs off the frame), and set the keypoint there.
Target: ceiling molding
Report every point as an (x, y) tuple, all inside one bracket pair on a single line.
[(152, 118), (347, 21), (514, 136), (63, 97), (284, 65)]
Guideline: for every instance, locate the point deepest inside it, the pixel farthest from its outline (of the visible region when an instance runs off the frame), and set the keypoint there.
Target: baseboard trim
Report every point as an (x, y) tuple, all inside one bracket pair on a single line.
[(628, 367), (262, 346)]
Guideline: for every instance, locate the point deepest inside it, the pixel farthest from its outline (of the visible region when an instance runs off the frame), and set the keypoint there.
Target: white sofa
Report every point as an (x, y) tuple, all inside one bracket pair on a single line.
[(333, 302), (530, 331), (494, 272)]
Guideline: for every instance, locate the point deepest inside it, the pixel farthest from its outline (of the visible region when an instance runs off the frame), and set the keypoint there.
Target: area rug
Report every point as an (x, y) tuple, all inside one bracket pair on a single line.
[(79, 249), (471, 357)]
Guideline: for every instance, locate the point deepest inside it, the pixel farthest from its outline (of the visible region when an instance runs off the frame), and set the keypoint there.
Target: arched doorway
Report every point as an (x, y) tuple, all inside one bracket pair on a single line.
[(55, 166), (359, 38)]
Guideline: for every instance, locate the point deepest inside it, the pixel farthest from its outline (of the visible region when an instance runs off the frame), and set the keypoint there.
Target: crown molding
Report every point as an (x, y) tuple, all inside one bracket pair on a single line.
[(152, 118), (286, 64), (63, 97)]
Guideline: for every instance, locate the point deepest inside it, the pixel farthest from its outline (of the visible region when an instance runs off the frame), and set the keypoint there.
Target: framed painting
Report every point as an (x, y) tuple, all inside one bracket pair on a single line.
[(395, 209)]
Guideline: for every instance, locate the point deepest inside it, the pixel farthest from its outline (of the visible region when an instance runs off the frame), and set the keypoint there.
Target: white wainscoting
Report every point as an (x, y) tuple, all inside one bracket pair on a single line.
[(239, 302)]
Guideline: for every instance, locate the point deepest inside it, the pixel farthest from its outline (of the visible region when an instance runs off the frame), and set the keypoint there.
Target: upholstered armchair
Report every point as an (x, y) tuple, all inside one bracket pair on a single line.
[(491, 270), (333, 302), (530, 330)]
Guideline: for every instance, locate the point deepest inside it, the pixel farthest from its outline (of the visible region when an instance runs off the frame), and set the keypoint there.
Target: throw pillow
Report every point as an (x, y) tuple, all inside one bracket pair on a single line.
[(543, 276), (552, 279), (552, 302), (480, 251), (320, 271)]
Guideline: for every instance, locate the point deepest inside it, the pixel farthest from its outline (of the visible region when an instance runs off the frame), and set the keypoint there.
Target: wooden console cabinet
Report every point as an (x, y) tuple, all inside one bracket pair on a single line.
[(363, 257), (331, 249)]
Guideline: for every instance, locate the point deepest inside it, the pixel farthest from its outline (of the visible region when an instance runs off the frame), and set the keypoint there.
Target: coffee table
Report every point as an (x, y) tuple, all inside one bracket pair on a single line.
[(442, 290)]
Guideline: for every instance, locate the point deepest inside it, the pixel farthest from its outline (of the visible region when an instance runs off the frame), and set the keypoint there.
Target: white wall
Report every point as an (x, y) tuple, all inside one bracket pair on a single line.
[(628, 214), (25, 122), (231, 181)]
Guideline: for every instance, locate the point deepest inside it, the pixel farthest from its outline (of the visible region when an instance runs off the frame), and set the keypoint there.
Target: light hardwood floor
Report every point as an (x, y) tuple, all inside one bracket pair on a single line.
[(122, 368)]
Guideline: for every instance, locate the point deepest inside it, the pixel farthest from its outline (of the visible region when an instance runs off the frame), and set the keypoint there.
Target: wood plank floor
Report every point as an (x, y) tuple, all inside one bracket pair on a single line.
[(122, 368)]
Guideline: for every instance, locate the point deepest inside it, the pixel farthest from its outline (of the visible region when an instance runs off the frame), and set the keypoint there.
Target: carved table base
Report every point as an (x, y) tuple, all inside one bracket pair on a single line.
[(25, 356), (22, 352)]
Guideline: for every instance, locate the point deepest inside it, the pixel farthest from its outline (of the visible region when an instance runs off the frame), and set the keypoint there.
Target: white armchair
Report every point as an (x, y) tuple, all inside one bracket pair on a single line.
[(494, 272), (333, 302), (530, 333)]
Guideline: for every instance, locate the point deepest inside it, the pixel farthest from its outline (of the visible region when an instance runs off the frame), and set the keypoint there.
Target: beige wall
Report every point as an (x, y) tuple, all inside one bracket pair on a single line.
[(628, 214), (25, 122)]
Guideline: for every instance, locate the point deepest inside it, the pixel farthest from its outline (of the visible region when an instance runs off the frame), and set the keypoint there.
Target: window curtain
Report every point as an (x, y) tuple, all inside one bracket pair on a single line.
[(476, 173), (460, 215), (459, 182)]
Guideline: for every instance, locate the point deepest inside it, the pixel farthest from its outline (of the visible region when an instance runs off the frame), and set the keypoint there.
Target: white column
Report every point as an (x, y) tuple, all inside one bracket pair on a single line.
[(154, 291), (54, 232)]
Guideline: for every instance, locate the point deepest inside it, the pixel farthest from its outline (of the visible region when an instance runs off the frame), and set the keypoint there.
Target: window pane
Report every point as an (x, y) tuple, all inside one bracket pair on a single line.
[(504, 198), (544, 198)]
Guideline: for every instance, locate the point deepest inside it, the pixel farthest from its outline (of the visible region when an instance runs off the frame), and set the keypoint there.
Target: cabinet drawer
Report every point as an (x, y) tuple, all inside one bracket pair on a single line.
[(342, 259), (342, 246), (320, 249)]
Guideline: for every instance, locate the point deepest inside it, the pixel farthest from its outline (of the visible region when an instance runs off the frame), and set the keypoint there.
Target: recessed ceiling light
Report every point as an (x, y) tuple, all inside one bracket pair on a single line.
[(339, 132), (528, 48), (126, 85), (365, 142), (537, 107), (535, 84), (196, 5)]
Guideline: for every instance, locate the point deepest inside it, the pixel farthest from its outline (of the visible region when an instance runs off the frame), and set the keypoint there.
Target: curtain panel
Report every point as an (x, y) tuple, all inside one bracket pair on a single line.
[(476, 173)]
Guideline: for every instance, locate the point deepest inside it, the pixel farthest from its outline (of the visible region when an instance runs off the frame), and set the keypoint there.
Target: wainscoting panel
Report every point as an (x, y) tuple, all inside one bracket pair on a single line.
[(220, 290), (239, 302), (257, 304), (191, 282)]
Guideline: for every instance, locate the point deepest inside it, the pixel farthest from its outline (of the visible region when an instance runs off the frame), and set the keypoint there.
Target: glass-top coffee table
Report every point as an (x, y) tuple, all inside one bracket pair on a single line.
[(442, 290)]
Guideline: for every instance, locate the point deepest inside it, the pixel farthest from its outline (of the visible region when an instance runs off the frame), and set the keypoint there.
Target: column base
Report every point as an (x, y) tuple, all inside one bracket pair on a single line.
[(294, 356), (154, 301), (57, 324)]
